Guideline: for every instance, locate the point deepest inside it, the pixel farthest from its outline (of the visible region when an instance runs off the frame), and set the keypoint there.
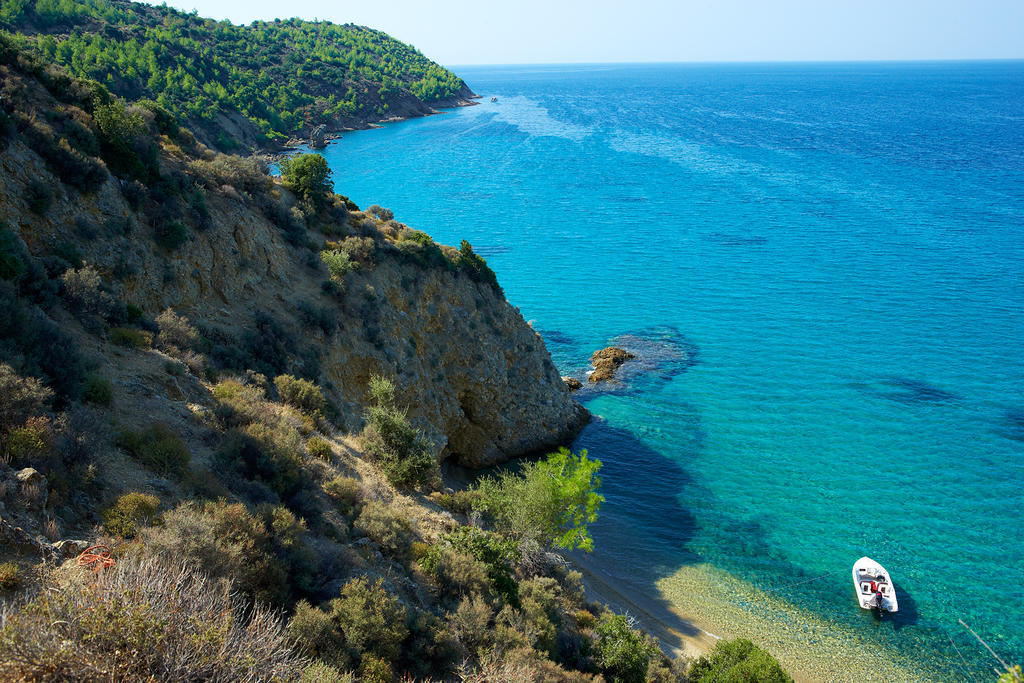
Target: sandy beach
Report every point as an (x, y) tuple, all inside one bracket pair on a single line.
[(700, 604)]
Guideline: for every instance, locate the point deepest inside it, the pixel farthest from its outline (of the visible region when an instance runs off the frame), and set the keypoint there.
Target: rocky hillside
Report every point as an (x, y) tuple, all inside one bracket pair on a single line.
[(477, 379), (236, 87)]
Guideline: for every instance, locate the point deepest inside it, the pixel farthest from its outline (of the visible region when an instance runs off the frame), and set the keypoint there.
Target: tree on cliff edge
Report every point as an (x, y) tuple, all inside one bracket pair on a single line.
[(308, 176)]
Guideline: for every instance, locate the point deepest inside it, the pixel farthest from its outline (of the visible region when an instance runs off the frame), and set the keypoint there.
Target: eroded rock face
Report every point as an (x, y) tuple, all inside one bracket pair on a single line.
[(476, 377), (606, 362)]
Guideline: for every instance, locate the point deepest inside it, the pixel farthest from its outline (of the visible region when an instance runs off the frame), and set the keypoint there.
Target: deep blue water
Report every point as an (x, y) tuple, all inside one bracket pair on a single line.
[(827, 262)]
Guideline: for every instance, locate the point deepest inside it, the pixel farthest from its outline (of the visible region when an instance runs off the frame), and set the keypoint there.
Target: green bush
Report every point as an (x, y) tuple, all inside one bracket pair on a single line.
[(359, 249), (267, 450), (315, 632), (319, 448), (621, 652), (476, 267), (158, 448), (97, 389), (371, 619), (346, 492), (462, 502), (146, 621), (735, 661), (39, 197), (10, 577), (131, 512), (301, 394), (551, 502), (12, 254), (130, 337), (496, 555), (364, 621), (40, 346), (170, 234), (308, 176), (399, 448), (338, 262), (381, 213), (237, 403), (375, 670), (30, 445)]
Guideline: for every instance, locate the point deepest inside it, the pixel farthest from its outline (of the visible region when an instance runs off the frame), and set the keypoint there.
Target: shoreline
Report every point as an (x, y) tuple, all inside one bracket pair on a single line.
[(294, 143), (719, 606)]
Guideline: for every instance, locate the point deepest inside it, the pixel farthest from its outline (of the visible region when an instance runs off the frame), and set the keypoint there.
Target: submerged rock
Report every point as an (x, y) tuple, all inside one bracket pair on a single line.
[(606, 362)]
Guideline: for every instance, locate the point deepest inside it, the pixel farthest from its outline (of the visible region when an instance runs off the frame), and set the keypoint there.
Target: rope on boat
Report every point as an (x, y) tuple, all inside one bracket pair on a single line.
[(790, 585), (966, 667), (1006, 667)]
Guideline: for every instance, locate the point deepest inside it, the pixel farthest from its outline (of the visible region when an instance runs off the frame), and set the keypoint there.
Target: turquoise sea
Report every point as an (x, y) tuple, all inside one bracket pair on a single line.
[(823, 269)]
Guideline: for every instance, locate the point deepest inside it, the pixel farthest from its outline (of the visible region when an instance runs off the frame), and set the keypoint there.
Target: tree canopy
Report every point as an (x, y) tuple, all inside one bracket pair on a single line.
[(283, 76), (551, 501)]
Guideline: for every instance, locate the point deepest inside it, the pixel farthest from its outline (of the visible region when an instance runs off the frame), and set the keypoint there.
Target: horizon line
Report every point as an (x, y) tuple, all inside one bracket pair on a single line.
[(711, 62)]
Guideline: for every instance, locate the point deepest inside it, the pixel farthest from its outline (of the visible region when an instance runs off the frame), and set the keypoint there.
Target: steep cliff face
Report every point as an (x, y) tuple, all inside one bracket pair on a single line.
[(475, 377)]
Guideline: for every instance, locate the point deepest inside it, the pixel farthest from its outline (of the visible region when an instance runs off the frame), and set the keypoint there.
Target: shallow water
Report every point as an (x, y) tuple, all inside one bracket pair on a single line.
[(822, 268)]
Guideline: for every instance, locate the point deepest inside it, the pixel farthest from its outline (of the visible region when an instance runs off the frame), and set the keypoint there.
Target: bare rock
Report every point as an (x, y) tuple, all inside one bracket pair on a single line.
[(69, 548), (30, 476), (572, 384), (318, 137), (606, 363)]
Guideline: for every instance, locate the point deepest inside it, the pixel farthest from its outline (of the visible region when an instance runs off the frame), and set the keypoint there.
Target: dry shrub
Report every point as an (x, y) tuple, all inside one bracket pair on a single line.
[(346, 492), (469, 625), (225, 541), (387, 527), (301, 394), (23, 397), (82, 289), (144, 620), (10, 577), (177, 335), (244, 174)]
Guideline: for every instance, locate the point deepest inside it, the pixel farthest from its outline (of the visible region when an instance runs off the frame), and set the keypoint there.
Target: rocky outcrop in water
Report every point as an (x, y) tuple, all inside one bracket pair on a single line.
[(606, 363), (318, 137)]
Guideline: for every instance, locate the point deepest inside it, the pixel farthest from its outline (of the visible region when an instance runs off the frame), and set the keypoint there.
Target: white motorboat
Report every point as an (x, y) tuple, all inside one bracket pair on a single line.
[(873, 586)]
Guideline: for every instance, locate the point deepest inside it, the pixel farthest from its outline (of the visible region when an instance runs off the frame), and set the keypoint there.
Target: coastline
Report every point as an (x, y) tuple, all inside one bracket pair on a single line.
[(294, 143)]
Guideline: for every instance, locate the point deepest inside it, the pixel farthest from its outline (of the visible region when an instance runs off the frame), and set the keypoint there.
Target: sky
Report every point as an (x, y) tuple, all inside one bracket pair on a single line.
[(465, 32)]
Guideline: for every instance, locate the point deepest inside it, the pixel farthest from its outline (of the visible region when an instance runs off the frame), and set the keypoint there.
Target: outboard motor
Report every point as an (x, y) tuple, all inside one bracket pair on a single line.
[(879, 602)]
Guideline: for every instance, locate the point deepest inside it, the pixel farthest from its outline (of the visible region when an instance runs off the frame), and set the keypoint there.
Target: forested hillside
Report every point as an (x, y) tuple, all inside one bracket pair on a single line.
[(235, 86)]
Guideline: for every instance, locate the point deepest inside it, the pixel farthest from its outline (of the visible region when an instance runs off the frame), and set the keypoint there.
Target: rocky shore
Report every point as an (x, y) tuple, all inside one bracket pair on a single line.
[(607, 362)]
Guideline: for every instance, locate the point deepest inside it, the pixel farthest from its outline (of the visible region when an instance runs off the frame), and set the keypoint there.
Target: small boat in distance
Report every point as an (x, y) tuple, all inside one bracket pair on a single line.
[(873, 586)]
